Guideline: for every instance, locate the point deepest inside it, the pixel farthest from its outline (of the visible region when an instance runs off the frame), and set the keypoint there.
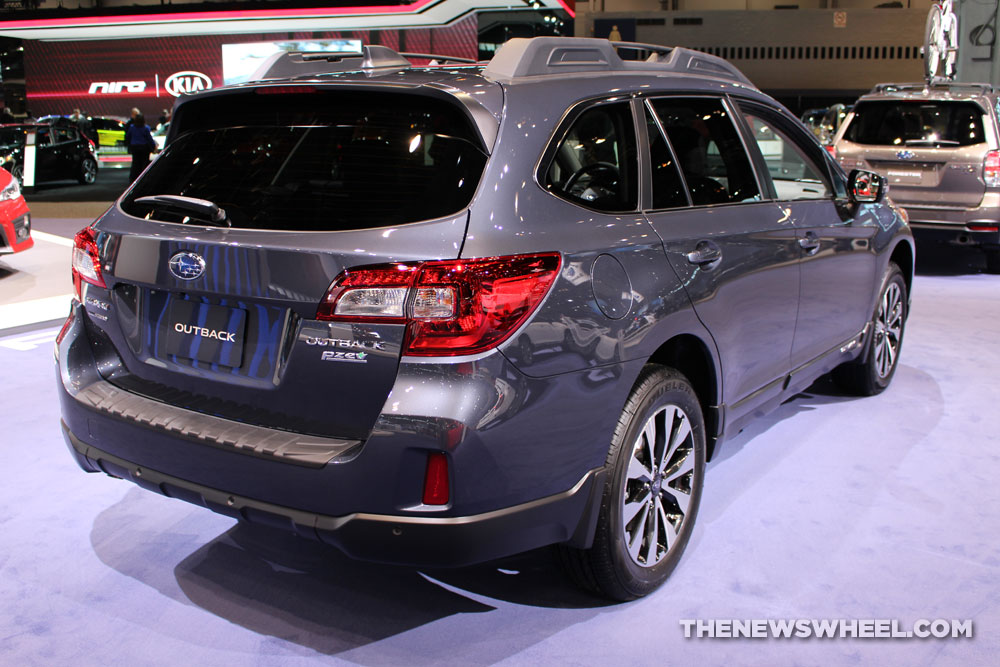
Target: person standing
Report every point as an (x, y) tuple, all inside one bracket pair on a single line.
[(140, 144)]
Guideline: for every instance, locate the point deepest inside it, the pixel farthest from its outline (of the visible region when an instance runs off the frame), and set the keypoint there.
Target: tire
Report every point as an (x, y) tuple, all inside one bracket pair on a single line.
[(992, 260), (874, 371), (623, 564), (88, 171)]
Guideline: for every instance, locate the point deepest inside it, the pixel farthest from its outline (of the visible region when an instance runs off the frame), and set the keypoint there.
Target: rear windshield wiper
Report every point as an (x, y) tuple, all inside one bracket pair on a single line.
[(930, 142), (202, 209)]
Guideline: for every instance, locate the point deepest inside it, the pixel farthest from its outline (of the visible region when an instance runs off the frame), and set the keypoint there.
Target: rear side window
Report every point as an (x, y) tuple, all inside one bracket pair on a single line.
[(65, 134), (916, 123), (709, 150), (595, 162), (318, 162)]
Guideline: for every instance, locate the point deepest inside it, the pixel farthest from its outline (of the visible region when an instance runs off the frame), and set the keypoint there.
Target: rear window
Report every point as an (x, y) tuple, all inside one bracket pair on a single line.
[(318, 161), (916, 123)]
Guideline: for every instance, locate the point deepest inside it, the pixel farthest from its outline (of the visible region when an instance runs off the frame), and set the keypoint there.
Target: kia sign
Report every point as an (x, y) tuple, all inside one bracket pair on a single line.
[(181, 83), (105, 78)]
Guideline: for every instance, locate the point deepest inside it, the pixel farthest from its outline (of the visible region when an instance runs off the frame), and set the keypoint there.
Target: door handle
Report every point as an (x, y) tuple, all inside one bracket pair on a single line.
[(810, 243), (705, 252)]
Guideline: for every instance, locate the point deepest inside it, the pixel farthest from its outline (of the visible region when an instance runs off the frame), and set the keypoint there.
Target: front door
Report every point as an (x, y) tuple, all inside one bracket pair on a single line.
[(838, 257)]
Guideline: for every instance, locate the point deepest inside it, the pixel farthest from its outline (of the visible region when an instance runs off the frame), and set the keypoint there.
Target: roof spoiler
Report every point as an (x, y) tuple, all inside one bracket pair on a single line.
[(373, 58), (968, 88)]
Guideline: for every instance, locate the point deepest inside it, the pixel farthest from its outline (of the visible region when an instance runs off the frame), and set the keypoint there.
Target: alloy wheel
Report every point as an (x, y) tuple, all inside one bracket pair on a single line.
[(888, 330), (89, 171), (658, 486)]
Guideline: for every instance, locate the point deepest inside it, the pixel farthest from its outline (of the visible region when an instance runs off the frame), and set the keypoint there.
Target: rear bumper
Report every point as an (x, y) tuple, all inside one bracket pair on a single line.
[(405, 540), (15, 227), (963, 226), (525, 457)]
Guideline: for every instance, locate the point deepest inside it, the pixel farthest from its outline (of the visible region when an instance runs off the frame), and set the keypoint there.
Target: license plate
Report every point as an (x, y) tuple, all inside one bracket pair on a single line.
[(909, 176), (213, 334)]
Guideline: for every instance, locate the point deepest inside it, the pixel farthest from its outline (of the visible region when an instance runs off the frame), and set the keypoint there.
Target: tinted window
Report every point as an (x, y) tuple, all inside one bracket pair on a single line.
[(708, 147), (321, 162), (668, 187), (595, 161), (64, 134), (917, 123), (794, 175)]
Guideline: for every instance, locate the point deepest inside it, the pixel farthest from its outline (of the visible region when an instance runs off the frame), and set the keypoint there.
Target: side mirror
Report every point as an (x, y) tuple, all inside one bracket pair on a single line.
[(866, 187)]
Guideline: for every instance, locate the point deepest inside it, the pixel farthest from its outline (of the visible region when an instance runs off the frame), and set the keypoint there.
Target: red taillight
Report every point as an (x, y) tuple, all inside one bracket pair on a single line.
[(90, 144), (453, 307), (436, 491), (983, 227), (832, 150), (86, 261), (991, 169)]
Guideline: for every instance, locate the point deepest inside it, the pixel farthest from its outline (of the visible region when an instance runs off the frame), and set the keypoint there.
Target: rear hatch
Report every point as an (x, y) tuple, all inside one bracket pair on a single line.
[(216, 311), (931, 151)]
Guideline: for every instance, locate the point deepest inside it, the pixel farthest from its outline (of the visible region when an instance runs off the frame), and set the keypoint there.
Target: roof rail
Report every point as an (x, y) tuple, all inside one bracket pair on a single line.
[(943, 85), (539, 56), (435, 58)]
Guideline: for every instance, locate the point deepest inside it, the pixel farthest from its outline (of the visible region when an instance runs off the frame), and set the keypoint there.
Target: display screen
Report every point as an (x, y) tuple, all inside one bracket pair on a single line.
[(110, 77)]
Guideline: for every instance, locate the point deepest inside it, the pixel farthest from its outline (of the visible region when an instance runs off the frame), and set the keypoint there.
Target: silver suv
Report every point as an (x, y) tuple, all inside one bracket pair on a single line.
[(938, 148)]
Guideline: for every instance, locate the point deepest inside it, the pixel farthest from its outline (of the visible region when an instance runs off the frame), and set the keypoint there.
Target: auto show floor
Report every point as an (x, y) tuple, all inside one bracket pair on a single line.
[(830, 508)]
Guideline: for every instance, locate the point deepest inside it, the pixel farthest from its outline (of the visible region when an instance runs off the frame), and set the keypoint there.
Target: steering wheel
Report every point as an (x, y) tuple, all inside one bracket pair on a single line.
[(588, 168)]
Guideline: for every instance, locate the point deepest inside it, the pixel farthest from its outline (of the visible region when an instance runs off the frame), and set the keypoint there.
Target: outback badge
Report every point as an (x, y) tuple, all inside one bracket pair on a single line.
[(186, 265)]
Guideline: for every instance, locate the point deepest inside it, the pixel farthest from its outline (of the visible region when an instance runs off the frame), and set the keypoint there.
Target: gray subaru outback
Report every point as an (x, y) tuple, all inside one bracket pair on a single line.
[(939, 148), (436, 316)]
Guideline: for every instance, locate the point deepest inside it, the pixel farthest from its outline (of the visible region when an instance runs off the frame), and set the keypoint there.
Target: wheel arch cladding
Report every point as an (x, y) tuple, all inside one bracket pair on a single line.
[(902, 255), (690, 355)]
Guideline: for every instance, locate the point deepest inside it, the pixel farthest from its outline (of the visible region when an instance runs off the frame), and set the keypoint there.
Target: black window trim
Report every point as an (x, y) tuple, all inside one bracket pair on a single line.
[(738, 124), (563, 127), (647, 202)]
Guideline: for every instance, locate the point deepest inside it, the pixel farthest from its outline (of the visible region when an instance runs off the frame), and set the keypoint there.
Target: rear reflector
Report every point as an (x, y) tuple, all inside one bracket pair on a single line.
[(977, 227), (436, 491), (452, 308), (991, 169), (65, 327), (284, 90), (86, 261)]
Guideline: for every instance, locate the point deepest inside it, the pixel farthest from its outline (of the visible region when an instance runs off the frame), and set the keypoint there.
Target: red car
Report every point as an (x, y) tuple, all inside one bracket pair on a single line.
[(15, 220)]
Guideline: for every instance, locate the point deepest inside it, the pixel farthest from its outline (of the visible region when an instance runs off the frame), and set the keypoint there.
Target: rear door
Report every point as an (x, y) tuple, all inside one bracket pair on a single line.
[(737, 257), (65, 153), (930, 151), (47, 165), (223, 319)]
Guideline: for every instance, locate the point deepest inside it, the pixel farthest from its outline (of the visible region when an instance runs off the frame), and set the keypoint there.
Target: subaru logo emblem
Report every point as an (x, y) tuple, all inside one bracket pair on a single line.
[(905, 155), (186, 265)]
